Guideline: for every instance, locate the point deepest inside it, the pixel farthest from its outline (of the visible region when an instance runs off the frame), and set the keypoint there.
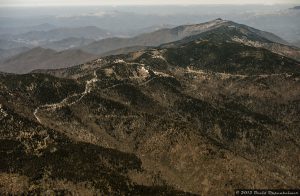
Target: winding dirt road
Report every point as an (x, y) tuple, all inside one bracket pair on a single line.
[(68, 100)]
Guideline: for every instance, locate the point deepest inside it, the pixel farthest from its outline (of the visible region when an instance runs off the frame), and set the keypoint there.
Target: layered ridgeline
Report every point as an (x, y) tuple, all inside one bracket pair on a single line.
[(14, 41), (40, 58), (247, 35), (112, 46), (203, 115)]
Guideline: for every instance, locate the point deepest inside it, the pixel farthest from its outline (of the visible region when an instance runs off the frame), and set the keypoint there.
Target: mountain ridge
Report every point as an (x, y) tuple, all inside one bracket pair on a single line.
[(175, 34), (265, 39)]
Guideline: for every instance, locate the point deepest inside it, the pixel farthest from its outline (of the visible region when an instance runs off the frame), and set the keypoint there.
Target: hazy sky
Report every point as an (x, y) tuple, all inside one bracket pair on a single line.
[(138, 2)]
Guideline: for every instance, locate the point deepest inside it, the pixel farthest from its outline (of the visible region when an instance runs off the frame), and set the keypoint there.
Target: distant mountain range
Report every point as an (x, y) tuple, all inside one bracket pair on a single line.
[(88, 32), (25, 29), (67, 43), (113, 46), (40, 58), (8, 44), (57, 38)]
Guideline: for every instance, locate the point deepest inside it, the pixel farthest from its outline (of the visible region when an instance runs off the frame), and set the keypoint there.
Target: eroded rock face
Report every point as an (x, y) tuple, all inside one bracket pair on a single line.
[(204, 116)]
